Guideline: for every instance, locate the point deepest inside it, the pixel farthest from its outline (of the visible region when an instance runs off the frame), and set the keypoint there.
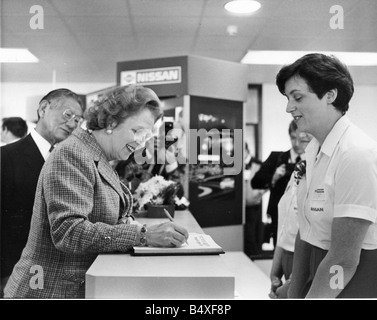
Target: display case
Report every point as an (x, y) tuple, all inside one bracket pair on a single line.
[(207, 96)]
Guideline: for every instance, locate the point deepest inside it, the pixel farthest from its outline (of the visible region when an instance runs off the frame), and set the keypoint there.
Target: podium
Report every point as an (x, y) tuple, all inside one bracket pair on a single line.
[(226, 276), (159, 277)]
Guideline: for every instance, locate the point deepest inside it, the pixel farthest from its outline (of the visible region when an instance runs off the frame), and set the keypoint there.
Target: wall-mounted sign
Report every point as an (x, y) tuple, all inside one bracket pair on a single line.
[(151, 76)]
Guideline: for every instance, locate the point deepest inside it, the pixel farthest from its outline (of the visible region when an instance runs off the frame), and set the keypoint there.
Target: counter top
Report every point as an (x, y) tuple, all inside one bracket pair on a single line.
[(227, 276)]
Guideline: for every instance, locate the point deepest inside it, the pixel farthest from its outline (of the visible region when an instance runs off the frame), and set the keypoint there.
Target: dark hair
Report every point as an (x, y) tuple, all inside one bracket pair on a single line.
[(62, 92), (292, 127), (16, 125), (321, 73), (121, 103)]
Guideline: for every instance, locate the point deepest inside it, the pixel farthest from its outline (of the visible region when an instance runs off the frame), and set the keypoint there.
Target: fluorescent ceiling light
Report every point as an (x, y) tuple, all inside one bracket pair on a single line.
[(17, 55), (287, 57), (242, 6)]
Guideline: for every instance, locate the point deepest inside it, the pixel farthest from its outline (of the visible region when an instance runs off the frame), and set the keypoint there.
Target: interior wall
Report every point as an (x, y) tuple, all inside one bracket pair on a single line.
[(274, 121), (363, 109), (21, 99)]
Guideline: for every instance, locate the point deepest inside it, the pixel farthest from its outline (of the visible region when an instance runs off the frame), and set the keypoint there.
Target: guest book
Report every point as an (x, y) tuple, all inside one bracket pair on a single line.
[(197, 244)]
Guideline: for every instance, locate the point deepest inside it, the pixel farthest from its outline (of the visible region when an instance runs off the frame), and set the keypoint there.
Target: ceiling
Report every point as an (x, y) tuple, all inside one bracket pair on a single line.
[(82, 40)]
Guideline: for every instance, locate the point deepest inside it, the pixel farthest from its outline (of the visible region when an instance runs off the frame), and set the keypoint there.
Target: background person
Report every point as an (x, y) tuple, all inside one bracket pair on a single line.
[(81, 208), (282, 262), (275, 173), (337, 203), (13, 129), (59, 113)]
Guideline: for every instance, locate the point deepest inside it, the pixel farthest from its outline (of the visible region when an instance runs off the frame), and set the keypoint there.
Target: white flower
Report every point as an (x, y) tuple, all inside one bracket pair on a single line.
[(151, 191)]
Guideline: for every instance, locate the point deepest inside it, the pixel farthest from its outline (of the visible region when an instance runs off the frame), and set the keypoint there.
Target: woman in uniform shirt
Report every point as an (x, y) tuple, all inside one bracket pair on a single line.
[(336, 246), (282, 262)]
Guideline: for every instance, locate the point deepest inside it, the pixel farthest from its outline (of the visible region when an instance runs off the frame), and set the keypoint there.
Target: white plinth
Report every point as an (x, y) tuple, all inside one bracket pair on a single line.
[(122, 276)]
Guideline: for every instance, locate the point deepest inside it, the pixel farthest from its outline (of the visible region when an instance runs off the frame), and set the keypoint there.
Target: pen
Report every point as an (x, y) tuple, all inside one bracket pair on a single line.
[(168, 215), (171, 218)]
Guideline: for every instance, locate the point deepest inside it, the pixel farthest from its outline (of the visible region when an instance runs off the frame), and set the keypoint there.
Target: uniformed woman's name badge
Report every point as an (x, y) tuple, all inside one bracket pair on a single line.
[(317, 201), (319, 195)]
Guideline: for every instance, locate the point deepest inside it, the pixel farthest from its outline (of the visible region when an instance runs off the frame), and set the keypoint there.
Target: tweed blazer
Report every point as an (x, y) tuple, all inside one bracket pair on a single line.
[(77, 210)]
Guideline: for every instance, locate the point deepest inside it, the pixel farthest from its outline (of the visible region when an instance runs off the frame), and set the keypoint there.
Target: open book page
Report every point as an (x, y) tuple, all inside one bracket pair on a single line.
[(197, 243)]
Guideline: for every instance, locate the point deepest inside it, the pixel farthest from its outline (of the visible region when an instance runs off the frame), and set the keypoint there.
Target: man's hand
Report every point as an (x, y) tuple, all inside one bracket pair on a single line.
[(279, 173)]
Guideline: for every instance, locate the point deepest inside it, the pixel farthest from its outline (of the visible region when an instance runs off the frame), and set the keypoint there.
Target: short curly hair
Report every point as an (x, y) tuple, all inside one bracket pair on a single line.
[(321, 73), (120, 103)]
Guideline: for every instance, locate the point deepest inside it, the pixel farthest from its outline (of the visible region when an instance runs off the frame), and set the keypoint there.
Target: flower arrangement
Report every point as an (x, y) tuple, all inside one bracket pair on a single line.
[(156, 190), (299, 171)]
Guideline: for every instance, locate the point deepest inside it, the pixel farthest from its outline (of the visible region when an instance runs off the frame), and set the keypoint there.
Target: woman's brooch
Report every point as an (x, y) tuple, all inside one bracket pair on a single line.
[(299, 171)]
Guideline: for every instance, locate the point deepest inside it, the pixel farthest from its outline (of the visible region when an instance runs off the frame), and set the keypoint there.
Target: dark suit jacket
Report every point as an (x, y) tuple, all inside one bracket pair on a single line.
[(262, 179), (21, 163)]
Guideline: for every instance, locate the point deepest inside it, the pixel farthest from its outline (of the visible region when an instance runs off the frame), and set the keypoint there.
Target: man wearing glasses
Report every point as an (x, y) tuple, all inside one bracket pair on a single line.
[(59, 113)]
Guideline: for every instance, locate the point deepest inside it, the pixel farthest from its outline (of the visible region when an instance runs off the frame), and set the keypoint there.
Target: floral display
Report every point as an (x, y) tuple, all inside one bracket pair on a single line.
[(156, 190), (299, 171)]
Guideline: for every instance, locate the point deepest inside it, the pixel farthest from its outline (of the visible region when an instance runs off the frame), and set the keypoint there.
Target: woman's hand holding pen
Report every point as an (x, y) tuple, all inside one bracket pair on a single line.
[(166, 234)]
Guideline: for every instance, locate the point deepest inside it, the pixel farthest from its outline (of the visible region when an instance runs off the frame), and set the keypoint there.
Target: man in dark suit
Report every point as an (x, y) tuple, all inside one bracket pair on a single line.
[(59, 113), (13, 129), (275, 173)]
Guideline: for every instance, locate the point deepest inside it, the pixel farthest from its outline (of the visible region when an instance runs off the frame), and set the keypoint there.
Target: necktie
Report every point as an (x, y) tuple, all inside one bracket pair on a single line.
[(298, 159), (51, 148)]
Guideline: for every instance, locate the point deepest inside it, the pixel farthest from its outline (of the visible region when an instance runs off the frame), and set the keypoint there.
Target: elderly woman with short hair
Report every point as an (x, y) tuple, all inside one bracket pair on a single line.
[(81, 209)]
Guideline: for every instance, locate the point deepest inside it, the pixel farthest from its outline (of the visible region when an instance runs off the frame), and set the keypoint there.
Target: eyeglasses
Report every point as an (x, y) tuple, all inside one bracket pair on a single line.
[(69, 115)]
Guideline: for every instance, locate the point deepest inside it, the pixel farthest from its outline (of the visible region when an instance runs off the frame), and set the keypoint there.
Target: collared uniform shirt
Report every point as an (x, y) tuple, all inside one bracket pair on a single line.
[(340, 181), (287, 215), (42, 144)]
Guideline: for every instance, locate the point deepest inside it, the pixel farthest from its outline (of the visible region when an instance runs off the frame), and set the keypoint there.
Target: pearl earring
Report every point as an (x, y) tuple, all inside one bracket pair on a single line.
[(109, 131)]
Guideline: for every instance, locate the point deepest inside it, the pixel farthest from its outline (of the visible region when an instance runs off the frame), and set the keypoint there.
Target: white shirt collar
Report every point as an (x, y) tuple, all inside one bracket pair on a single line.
[(331, 140), (334, 135), (42, 144)]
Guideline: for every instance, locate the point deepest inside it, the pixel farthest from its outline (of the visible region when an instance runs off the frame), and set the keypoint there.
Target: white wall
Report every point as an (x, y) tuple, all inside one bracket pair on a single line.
[(363, 109), (275, 121), (22, 98)]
